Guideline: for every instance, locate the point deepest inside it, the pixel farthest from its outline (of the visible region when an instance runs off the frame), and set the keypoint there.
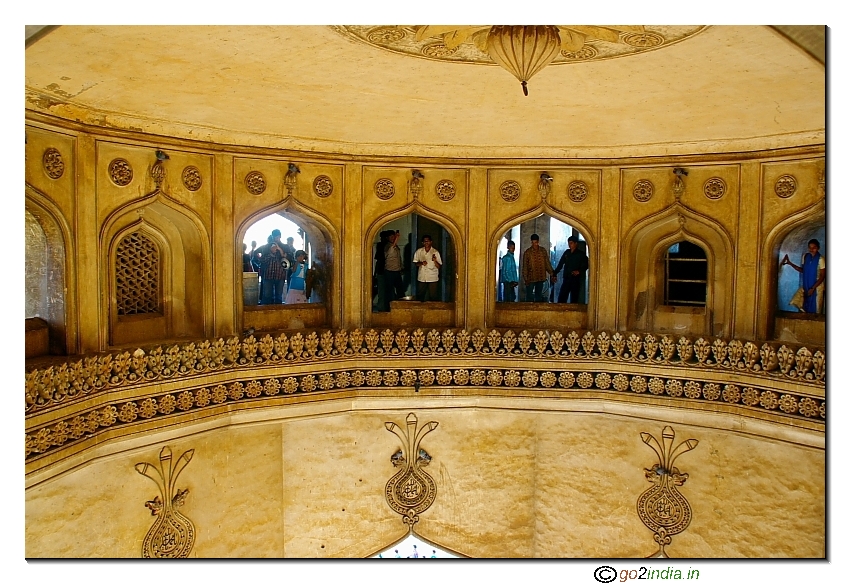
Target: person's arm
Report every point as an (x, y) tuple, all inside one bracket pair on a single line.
[(437, 259), (786, 261), (561, 263), (821, 277), (583, 265)]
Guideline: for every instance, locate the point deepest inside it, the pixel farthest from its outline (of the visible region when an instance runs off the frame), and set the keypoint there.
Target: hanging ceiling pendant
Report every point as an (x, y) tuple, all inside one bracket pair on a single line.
[(523, 50)]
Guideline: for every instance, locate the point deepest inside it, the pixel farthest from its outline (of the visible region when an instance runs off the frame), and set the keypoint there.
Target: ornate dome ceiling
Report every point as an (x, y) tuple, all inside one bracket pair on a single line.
[(721, 89)]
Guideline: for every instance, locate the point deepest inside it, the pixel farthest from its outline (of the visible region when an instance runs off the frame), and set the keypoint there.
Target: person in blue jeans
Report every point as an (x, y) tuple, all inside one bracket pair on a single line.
[(298, 280)]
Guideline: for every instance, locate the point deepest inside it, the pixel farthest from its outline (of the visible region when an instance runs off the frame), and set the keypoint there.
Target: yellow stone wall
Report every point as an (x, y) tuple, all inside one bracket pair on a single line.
[(308, 481), (202, 230)]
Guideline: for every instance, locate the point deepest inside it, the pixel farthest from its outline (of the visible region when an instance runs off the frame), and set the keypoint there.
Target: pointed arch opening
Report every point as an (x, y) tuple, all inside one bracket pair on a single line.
[(285, 256), (542, 264), (414, 272)]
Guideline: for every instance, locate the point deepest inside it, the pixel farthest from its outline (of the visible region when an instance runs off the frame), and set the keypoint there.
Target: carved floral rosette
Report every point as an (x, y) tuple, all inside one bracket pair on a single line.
[(172, 535), (411, 490), (661, 508)]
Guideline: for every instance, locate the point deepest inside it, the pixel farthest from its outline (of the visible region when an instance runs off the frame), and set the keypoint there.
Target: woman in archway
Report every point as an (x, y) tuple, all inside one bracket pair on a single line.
[(813, 270)]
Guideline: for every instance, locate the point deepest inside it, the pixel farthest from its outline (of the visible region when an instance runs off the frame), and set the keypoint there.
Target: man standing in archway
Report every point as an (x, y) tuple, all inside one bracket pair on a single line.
[(574, 262), (429, 261), (535, 267)]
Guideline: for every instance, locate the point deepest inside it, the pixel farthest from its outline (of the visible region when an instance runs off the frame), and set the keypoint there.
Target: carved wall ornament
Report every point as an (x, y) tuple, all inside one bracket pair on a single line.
[(577, 191), (323, 186), (679, 182), (411, 491), (585, 53), (290, 180), (172, 535), (255, 182), (137, 267), (192, 178), (415, 184), (786, 185), (386, 34), (714, 188), (544, 187), (510, 190), (643, 40), (384, 188), (445, 190), (54, 165), (437, 50), (120, 172), (643, 190), (158, 174), (661, 508)]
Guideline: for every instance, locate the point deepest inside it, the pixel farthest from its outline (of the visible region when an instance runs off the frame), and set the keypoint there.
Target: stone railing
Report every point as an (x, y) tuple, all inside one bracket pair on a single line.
[(76, 400)]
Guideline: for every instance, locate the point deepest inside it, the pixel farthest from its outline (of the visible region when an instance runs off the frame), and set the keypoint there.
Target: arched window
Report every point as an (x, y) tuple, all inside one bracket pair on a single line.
[(272, 249), (805, 249), (137, 276), (685, 275), (566, 250), (398, 252)]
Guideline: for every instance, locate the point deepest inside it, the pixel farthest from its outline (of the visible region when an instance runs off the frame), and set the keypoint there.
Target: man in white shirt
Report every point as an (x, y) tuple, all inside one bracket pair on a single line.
[(429, 261)]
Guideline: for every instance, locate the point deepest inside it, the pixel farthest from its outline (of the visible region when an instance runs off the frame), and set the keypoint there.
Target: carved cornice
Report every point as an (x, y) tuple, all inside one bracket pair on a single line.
[(86, 401)]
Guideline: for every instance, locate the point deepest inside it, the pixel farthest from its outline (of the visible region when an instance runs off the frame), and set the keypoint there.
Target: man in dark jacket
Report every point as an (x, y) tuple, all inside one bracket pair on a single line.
[(574, 261)]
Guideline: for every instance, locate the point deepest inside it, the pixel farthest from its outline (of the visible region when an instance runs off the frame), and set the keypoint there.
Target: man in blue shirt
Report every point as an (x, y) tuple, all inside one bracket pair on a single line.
[(510, 277)]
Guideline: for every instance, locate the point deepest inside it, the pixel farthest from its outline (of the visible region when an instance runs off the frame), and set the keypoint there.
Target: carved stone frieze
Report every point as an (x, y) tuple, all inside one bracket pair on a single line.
[(786, 186), (510, 190), (445, 190), (54, 165), (586, 53), (411, 490), (172, 535), (192, 178), (53, 385), (577, 191), (323, 186), (110, 372), (120, 172), (255, 182), (643, 190), (643, 40), (384, 188), (661, 508), (714, 188)]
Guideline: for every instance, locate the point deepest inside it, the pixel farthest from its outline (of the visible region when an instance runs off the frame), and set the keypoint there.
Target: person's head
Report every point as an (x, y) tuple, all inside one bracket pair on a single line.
[(535, 240), (270, 239), (394, 235), (511, 246), (572, 242), (290, 240), (300, 256), (426, 240), (253, 244), (814, 246), (244, 247), (276, 234)]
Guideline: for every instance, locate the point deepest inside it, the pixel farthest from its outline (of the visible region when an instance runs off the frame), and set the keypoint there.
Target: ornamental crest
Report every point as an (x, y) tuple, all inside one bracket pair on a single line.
[(172, 535), (661, 508), (411, 490)]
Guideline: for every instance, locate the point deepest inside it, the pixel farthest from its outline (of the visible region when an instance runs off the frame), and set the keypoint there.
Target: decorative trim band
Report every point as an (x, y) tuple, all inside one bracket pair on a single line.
[(55, 385), (221, 397)]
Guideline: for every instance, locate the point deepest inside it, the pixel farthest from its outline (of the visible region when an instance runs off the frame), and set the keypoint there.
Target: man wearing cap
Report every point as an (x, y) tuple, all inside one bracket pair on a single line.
[(574, 262), (535, 267)]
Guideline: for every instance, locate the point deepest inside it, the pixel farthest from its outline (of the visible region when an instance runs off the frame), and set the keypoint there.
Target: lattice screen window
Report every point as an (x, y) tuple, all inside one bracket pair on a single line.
[(137, 275)]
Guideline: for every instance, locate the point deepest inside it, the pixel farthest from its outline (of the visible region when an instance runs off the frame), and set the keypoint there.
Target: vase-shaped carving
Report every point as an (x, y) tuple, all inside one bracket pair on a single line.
[(172, 534), (662, 508), (411, 490)]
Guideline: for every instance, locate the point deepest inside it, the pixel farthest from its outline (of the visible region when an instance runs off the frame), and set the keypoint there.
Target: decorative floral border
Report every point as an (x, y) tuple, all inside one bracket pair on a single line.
[(84, 426), (54, 385)]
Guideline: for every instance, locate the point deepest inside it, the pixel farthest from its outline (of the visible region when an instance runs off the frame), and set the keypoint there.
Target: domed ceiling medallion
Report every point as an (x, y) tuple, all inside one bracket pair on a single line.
[(468, 44)]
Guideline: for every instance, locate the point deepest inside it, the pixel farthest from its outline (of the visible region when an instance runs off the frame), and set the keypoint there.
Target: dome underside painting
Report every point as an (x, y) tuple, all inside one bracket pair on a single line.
[(313, 88)]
